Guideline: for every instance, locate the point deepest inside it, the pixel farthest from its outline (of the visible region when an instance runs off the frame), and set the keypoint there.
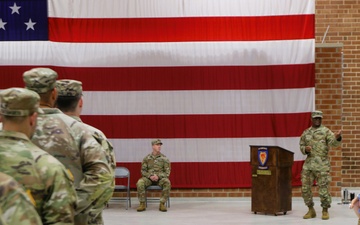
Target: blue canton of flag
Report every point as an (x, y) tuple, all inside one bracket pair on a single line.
[(23, 20)]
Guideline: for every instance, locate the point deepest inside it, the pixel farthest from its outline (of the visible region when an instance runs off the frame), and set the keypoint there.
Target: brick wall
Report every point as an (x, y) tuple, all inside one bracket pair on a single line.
[(329, 98), (343, 19), (337, 95)]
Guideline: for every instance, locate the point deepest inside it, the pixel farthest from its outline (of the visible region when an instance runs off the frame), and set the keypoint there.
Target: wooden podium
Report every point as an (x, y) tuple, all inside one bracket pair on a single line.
[(271, 168)]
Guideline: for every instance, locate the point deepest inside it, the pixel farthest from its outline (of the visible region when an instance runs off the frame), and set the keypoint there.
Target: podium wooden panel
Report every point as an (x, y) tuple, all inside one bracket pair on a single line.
[(271, 190)]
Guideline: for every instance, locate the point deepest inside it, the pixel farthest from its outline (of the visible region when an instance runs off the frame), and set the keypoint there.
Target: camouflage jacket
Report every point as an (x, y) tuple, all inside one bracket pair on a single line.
[(73, 145), (156, 164), (44, 177), (15, 205), (110, 155), (103, 141), (320, 139)]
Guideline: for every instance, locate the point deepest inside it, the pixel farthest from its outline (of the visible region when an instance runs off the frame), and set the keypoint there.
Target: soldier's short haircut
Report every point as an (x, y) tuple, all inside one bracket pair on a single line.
[(45, 97), (67, 103)]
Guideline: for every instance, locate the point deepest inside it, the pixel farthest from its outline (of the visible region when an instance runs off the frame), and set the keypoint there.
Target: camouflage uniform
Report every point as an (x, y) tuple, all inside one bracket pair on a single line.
[(317, 163), (15, 205), (159, 165), (95, 214), (69, 141), (43, 176), (72, 90)]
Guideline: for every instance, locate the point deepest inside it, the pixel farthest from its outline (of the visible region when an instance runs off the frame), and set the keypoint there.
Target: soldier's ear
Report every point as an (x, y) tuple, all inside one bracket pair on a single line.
[(81, 102), (33, 119), (54, 95)]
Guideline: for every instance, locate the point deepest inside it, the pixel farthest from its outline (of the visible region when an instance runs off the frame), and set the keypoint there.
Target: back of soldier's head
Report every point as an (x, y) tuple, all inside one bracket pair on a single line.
[(69, 94)]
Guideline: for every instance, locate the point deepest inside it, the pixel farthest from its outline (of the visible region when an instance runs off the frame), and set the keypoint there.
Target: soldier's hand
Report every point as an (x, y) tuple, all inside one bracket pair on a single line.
[(308, 149), (154, 178), (338, 134)]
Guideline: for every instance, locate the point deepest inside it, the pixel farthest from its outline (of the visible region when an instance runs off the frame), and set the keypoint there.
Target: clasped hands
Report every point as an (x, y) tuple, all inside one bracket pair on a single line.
[(154, 178)]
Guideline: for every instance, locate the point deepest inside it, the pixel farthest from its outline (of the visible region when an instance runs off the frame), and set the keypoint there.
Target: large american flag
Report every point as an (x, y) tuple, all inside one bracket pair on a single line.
[(208, 77)]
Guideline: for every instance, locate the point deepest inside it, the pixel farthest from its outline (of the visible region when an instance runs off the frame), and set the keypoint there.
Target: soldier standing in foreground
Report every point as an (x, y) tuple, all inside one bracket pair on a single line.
[(155, 169), (69, 141), (15, 205), (70, 102), (44, 177), (315, 142)]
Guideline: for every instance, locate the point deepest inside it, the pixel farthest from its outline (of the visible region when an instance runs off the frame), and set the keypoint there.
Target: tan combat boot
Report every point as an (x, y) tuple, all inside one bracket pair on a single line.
[(310, 214), (162, 207), (141, 207), (325, 214), (358, 221)]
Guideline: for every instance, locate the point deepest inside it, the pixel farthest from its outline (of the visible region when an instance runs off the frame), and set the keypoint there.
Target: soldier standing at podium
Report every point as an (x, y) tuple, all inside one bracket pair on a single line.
[(315, 142)]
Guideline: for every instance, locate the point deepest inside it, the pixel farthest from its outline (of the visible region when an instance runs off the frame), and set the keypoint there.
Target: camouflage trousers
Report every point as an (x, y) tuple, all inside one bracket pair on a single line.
[(95, 213), (144, 182), (323, 180)]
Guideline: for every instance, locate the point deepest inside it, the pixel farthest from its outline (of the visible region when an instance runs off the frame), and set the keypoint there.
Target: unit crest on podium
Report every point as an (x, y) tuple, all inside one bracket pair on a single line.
[(263, 155)]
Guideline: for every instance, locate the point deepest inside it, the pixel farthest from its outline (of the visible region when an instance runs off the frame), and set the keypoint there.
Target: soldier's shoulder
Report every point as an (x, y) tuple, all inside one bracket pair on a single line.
[(94, 130), (147, 157), (164, 157), (80, 128), (61, 119), (36, 150), (19, 150), (307, 129), (52, 122), (43, 158), (77, 129), (69, 120)]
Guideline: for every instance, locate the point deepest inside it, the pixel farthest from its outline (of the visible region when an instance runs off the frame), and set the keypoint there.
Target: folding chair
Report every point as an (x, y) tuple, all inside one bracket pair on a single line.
[(123, 172), (157, 188)]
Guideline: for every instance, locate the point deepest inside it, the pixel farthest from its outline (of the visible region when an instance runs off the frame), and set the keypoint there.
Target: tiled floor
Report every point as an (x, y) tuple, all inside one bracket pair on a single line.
[(222, 211)]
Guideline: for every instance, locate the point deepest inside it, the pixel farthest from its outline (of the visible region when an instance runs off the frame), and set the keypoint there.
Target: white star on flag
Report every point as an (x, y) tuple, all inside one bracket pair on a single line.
[(2, 24), (15, 8), (30, 25)]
